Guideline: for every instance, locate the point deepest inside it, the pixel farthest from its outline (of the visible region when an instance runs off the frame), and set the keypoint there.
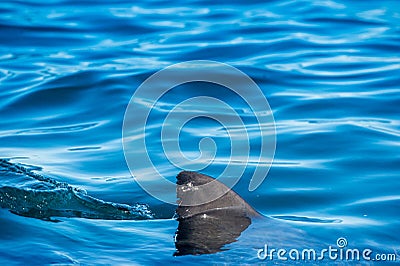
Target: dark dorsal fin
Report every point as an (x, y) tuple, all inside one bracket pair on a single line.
[(187, 196), (207, 227)]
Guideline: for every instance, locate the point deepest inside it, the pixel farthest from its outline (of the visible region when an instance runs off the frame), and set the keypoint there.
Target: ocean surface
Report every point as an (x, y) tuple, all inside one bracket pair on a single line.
[(330, 71)]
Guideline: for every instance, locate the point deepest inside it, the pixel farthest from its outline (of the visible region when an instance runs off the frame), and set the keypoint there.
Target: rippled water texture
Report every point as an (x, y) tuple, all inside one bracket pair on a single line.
[(330, 71)]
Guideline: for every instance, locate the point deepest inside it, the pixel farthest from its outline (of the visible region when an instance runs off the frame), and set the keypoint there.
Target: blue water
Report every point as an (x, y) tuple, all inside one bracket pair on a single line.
[(329, 69)]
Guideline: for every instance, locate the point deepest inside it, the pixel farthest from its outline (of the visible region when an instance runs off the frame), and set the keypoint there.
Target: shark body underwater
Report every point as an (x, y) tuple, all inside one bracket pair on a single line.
[(202, 229)]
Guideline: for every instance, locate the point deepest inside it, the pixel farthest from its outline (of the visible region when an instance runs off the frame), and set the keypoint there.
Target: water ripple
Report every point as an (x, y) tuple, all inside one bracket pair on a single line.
[(330, 70), (51, 130)]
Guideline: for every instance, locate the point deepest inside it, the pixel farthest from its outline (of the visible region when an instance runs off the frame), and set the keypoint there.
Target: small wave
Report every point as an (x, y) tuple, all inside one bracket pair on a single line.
[(307, 219), (29, 194), (51, 130), (84, 148)]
